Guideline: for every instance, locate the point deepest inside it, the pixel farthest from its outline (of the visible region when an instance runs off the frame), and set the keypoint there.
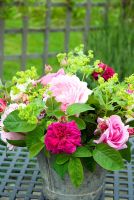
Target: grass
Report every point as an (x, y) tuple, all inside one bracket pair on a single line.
[(113, 46)]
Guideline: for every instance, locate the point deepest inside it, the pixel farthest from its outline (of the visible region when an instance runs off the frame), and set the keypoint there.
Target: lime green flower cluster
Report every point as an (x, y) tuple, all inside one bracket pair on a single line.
[(31, 111), (130, 81), (77, 60), (37, 91), (23, 79), (22, 76), (113, 95)]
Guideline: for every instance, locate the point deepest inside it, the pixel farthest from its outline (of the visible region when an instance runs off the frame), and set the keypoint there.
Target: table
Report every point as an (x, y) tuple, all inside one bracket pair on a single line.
[(20, 178)]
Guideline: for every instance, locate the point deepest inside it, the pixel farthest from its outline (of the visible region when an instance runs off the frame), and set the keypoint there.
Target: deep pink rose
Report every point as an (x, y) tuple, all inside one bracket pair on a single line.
[(11, 136), (48, 78), (62, 137), (3, 105), (107, 72), (69, 90), (115, 135)]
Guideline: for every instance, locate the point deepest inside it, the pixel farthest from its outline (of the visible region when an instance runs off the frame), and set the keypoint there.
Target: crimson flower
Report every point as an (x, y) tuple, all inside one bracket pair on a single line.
[(107, 72)]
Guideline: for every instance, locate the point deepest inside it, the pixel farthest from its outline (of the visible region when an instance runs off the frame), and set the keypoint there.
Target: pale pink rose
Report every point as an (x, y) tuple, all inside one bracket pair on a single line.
[(11, 136), (7, 111), (48, 78), (69, 90), (114, 133), (8, 135)]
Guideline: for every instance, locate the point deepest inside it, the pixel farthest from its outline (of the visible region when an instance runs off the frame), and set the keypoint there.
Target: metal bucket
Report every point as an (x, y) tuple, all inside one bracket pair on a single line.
[(54, 188)]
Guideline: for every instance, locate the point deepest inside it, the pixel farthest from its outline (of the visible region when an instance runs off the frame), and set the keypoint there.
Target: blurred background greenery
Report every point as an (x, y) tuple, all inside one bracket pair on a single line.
[(113, 43)]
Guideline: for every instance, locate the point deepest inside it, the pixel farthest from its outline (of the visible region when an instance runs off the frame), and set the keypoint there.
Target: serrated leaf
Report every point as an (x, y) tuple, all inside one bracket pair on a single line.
[(61, 159), (75, 170), (81, 124), (13, 123), (107, 157), (78, 108), (82, 152)]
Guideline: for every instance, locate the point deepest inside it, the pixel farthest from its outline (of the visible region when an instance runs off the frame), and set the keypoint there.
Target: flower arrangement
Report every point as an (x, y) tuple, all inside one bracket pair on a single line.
[(82, 115)]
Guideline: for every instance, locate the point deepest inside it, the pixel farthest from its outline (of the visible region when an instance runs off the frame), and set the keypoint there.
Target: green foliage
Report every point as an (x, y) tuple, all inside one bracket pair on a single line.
[(13, 123), (126, 153), (61, 159), (53, 107), (82, 152), (131, 123), (78, 108), (107, 157), (61, 170), (89, 163), (35, 149), (75, 170), (81, 124), (17, 143), (37, 135)]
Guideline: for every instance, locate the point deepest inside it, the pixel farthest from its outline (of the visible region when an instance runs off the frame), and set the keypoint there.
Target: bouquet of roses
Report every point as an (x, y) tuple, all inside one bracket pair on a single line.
[(82, 115)]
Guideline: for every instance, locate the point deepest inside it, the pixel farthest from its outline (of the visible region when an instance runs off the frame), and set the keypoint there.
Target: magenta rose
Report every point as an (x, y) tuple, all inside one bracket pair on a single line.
[(62, 137), (114, 133), (107, 72)]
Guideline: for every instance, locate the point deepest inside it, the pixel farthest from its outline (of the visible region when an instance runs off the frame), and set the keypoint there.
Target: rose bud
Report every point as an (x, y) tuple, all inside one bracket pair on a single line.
[(3, 105)]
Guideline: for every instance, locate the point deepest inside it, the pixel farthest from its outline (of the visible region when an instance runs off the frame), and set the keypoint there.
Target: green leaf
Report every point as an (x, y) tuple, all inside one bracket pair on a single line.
[(131, 123), (61, 170), (37, 135), (52, 105), (17, 143), (89, 163), (75, 170), (35, 149), (61, 159), (58, 113), (107, 157), (78, 108), (82, 152), (81, 124), (126, 153), (14, 124)]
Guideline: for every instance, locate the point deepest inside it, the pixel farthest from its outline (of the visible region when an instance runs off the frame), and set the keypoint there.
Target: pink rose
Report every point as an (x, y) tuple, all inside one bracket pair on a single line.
[(11, 136), (115, 133), (62, 137), (69, 90), (8, 135), (48, 78), (107, 72)]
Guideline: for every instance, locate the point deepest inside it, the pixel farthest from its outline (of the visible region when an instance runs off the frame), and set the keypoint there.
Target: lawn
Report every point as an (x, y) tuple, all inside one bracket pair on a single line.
[(113, 46)]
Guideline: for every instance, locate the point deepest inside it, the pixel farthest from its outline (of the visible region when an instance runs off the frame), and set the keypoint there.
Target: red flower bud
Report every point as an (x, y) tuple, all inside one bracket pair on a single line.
[(3, 105)]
